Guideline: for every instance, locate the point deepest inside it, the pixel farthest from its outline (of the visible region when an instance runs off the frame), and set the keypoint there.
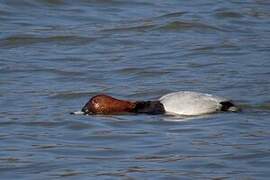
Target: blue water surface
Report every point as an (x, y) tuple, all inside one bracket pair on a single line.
[(55, 55)]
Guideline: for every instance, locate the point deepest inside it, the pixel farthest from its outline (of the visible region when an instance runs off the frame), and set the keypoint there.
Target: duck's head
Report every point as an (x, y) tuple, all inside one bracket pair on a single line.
[(104, 104)]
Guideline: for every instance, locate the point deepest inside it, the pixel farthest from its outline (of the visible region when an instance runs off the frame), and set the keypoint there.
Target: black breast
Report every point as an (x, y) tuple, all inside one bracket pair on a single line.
[(149, 107)]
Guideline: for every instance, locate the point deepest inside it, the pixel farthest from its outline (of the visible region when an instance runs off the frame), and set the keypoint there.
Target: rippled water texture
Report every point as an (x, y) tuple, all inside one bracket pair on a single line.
[(55, 54)]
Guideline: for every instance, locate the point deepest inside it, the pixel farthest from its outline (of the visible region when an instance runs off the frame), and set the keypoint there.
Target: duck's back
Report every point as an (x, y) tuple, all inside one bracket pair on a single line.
[(191, 103)]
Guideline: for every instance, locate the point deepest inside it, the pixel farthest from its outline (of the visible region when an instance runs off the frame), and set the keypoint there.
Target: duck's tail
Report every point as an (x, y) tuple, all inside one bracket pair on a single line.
[(229, 106)]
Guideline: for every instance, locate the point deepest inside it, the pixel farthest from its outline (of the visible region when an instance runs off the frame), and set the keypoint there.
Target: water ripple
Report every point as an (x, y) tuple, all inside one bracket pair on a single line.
[(185, 25), (172, 15), (228, 14), (23, 40), (138, 28), (57, 54)]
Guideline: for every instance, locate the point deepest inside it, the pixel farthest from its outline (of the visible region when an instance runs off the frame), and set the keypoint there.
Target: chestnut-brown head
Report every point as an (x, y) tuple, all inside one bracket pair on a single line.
[(104, 104)]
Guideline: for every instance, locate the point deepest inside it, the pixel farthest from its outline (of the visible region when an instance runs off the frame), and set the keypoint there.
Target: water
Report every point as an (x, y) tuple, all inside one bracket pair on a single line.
[(56, 54)]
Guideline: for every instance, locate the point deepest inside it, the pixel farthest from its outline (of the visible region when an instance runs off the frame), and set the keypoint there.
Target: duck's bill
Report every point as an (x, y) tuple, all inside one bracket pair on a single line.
[(78, 113)]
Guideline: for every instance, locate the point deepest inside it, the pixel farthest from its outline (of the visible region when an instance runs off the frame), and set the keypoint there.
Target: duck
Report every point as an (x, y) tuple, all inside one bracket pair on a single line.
[(186, 103)]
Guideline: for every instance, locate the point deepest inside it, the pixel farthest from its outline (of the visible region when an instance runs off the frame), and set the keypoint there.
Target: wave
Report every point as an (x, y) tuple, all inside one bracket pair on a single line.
[(22, 40)]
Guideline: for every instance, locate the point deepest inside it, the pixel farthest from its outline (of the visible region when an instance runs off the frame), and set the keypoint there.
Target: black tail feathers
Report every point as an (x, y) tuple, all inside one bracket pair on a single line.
[(228, 106)]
